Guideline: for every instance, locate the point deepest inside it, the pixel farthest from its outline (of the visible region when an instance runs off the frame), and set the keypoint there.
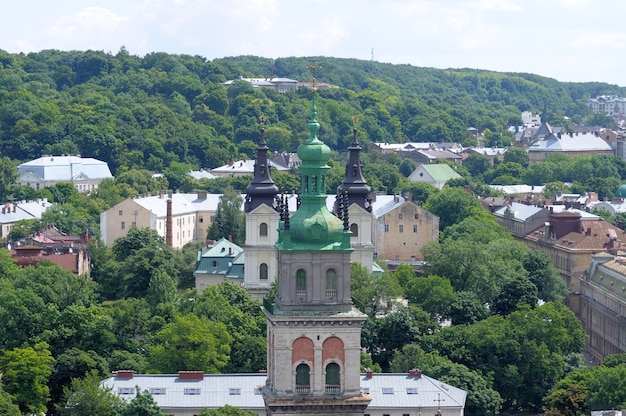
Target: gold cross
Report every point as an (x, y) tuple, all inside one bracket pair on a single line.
[(313, 68)]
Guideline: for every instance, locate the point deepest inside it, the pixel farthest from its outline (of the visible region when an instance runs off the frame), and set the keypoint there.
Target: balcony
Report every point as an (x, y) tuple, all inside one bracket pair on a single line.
[(332, 389), (303, 389)]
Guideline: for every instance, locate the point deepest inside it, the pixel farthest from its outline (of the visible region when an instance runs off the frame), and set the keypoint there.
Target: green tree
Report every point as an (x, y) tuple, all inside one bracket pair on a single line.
[(370, 293), (226, 411), (25, 374), (477, 164), (8, 176), (229, 220), (516, 155), (432, 293), (190, 343), (142, 405), (451, 205), (7, 407), (85, 396)]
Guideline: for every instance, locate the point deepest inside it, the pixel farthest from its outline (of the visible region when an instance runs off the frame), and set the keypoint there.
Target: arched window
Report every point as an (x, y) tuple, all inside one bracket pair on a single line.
[(263, 271), (300, 282), (333, 379), (303, 378), (355, 230), (263, 230), (331, 283)]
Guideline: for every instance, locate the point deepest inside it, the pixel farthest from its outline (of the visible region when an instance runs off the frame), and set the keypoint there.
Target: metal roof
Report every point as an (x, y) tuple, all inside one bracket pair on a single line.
[(400, 391), (65, 168)]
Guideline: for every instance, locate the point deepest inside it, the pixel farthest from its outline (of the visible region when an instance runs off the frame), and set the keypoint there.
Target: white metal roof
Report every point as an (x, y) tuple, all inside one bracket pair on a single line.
[(65, 168), (400, 391)]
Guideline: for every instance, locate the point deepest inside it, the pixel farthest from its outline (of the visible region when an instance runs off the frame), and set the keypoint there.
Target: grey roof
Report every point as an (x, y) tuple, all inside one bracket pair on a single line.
[(217, 390), (201, 174), (65, 168), (16, 211), (574, 142), (181, 203), (520, 212)]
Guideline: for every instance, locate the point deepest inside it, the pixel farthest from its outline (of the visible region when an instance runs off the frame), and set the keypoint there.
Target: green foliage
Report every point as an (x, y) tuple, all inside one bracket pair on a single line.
[(190, 343), (85, 396), (370, 293), (7, 407), (142, 405), (226, 411), (229, 220), (451, 205), (482, 399), (25, 374)]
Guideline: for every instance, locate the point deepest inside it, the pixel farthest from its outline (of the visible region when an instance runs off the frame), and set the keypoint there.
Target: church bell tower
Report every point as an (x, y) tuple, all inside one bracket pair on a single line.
[(313, 330)]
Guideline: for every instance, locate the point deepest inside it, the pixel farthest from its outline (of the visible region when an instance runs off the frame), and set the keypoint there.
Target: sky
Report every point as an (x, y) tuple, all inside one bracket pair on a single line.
[(568, 40)]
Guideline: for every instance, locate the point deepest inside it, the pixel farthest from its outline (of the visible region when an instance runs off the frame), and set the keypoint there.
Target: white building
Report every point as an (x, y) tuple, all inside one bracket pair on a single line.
[(84, 173), (186, 393), (10, 213)]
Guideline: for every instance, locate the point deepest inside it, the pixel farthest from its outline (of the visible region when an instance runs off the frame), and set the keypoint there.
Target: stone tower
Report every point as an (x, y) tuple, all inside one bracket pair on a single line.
[(262, 218), (313, 330)]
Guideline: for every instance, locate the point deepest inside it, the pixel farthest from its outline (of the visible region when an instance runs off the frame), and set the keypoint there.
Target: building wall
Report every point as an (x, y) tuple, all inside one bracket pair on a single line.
[(402, 232)]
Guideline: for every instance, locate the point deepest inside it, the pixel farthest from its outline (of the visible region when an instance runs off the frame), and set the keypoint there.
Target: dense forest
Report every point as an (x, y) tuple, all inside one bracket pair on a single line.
[(160, 110), (510, 341)]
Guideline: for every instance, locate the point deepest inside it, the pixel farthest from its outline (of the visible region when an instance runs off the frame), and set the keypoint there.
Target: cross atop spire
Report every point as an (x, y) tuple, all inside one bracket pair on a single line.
[(313, 68)]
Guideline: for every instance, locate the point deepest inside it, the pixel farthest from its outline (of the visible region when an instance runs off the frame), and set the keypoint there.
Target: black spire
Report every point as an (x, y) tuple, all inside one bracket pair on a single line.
[(354, 185), (262, 189)]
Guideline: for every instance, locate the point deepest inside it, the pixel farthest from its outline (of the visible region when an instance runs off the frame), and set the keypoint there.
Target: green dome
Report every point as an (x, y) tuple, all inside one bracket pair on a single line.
[(621, 192)]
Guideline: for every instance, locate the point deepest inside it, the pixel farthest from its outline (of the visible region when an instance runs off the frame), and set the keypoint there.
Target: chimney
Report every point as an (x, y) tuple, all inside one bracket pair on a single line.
[(190, 375), (415, 373), (4, 210), (368, 373), (124, 373), (202, 195), (169, 226)]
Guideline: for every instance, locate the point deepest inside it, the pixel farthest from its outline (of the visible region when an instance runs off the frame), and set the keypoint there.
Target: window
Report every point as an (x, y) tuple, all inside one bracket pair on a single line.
[(387, 390), (120, 212), (214, 263), (234, 391), (257, 392), (126, 390), (191, 392), (201, 219), (411, 390), (400, 216), (333, 379), (401, 228), (300, 282), (263, 230), (417, 216), (263, 271), (157, 390), (355, 230), (303, 378), (386, 228), (123, 225), (414, 228), (366, 390), (331, 283)]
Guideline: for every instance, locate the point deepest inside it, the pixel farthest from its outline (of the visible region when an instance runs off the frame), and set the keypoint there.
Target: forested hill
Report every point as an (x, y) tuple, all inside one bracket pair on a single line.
[(164, 110)]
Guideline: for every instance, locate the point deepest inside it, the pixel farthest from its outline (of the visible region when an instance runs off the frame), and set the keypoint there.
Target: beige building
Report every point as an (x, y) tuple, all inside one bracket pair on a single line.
[(179, 218), (603, 305), (402, 228)]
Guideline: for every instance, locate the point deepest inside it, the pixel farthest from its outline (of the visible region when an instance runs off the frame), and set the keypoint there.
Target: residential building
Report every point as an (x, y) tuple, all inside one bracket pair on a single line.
[(607, 104), (242, 168), (84, 173), (432, 156), (178, 218), (570, 145), (71, 252), (219, 261), (12, 212), (188, 392), (492, 153), (521, 219), (603, 305), (435, 174), (280, 85), (402, 229)]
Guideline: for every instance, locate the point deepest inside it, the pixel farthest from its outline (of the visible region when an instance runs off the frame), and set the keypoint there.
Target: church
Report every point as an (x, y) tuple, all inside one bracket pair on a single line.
[(313, 329)]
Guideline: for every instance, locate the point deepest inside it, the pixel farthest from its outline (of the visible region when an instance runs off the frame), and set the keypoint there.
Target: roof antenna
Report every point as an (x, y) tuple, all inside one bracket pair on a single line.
[(372, 54)]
